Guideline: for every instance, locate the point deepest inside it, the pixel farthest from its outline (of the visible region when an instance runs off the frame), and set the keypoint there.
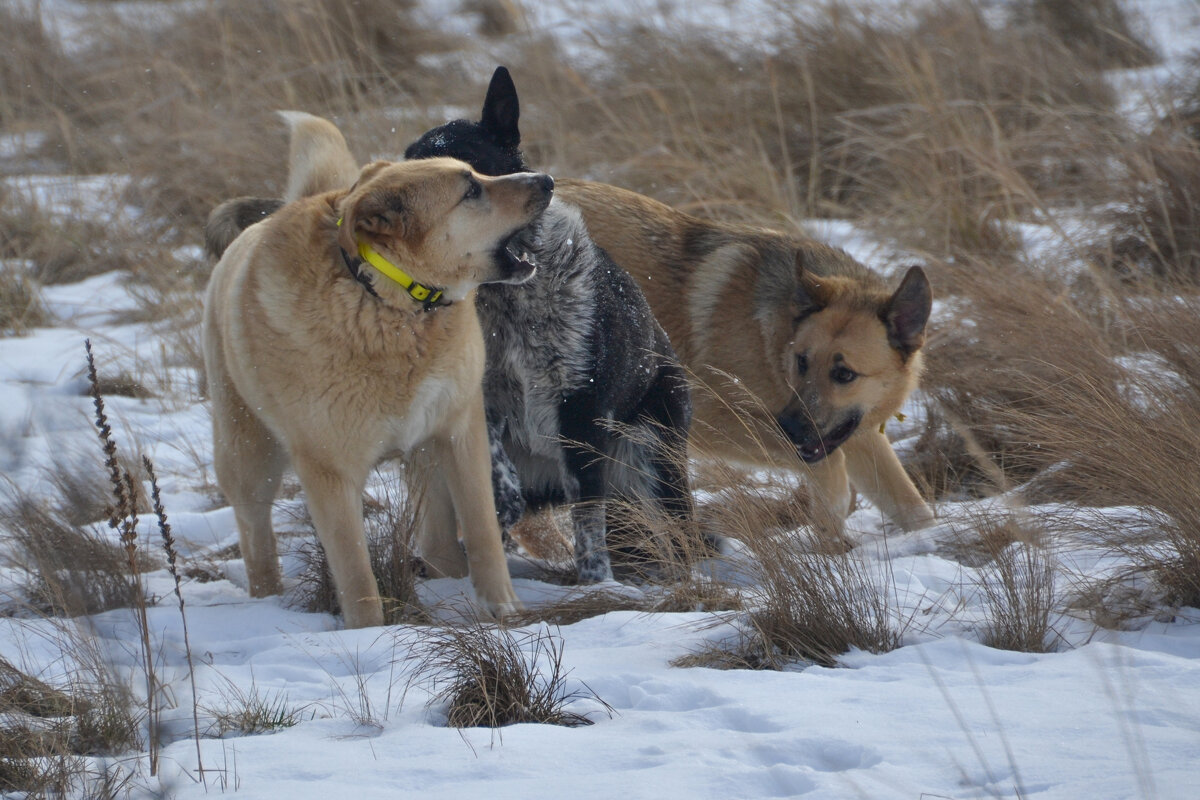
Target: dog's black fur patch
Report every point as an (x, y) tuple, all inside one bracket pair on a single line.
[(585, 397)]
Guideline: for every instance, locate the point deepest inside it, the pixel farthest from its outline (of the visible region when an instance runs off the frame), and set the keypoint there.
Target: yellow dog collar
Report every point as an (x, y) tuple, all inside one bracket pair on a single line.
[(418, 291)]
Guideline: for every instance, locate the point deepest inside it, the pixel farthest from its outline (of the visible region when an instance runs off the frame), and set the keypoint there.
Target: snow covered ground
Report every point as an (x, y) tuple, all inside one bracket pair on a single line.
[(1110, 715)]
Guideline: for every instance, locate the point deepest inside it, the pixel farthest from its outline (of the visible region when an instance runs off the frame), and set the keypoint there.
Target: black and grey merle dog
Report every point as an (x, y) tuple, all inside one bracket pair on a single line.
[(586, 401)]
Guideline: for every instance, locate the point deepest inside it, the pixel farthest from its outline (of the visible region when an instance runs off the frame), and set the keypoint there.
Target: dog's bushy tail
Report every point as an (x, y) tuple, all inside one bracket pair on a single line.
[(318, 161), (228, 220), (318, 158)]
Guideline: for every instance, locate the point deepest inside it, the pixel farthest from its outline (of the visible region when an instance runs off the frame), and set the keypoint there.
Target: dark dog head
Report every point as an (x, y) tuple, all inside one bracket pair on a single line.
[(492, 146), (854, 357)]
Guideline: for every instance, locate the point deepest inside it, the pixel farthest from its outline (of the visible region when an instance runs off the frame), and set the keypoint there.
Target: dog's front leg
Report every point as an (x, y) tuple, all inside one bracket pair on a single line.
[(335, 502), (877, 472), (831, 496), (464, 464)]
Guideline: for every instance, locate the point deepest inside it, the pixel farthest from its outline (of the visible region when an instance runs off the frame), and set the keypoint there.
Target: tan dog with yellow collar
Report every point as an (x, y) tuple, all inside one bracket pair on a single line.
[(318, 354)]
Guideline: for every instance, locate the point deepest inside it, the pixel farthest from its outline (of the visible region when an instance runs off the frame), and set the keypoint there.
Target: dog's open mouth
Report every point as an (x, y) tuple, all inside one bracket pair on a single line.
[(518, 262), (815, 450)]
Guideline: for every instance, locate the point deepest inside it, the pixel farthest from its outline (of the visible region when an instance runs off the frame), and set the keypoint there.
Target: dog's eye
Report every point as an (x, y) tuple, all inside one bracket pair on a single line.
[(473, 189), (801, 364), (841, 374)]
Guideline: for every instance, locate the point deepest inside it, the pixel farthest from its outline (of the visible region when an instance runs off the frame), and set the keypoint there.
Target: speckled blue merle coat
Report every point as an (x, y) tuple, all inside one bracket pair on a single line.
[(586, 401)]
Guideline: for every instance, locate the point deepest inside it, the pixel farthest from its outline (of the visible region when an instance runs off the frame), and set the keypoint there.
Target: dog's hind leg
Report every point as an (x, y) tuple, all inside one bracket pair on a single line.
[(249, 463), (592, 561), (462, 461), (437, 532), (506, 484), (667, 418)]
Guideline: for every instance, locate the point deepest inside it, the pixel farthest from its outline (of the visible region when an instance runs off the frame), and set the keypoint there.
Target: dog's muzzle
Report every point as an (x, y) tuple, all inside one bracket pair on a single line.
[(812, 445)]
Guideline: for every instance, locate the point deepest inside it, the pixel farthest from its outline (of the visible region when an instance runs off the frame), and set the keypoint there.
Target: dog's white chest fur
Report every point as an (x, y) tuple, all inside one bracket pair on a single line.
[(423, 415)]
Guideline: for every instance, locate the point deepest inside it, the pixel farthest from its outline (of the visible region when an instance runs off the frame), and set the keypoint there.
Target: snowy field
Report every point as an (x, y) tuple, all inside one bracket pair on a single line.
[(1109, 715)]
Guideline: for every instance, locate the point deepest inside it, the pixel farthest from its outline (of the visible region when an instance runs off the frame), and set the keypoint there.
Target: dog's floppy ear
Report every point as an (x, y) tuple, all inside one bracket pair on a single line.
[(376, 210), (907, 311), (501, 109)]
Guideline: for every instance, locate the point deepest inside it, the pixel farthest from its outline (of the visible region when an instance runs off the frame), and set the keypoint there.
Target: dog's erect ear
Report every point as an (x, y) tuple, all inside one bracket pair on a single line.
[(907, 311), (808, 297), (379, 210), (501, 109)]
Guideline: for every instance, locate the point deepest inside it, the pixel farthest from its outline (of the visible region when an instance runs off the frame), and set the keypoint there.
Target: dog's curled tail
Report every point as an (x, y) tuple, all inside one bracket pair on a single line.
[(227, 221), (318, 158)]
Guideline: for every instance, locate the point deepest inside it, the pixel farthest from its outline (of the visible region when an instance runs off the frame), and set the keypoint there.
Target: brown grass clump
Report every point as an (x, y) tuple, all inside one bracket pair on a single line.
[(941, 123), (493, 677), (20, 303), (815, 599), (48, 733), (250, 712), (1157, 230), (1009, 331), (1017, 580), (59, 249), (817, 606), (184, 99), (72, 570), (1135, 443), (35, 74)]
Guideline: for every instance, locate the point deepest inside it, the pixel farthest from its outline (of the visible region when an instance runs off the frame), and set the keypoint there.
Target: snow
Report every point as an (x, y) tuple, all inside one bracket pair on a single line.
[(1110, 714)]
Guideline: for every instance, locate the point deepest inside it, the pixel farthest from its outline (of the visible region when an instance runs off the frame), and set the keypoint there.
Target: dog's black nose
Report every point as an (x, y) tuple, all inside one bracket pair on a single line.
[(546, 183)]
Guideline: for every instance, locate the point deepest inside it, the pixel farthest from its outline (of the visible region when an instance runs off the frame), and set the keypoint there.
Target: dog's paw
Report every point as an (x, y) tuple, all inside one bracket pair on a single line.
[(499, 610), (497, 602)]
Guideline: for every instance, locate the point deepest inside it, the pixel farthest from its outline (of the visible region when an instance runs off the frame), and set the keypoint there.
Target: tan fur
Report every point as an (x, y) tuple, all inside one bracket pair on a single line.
[(318, 156), (726, 296), (304, 366)]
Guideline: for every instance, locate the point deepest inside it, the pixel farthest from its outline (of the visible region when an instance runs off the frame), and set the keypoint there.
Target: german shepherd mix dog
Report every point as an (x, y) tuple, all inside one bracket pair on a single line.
[(586, 400), (584, 397), (341, 330), (788, 335)]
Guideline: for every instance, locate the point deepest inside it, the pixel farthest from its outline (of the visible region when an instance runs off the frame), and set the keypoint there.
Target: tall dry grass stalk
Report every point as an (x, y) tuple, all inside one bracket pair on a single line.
[(123, 518), (168, 541)]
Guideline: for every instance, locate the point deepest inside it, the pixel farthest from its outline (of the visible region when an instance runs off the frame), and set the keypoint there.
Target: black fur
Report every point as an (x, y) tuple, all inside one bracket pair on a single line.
[(586, 400)]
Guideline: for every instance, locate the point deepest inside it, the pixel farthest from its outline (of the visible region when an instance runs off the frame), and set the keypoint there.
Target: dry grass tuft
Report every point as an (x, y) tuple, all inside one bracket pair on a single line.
[(71, 569), (184, 98), (250, 712), (35, 74), (817, 606), (1157, 229), (492, 677), (58, 248), (944, 125), (1017, 581), (48, 734), (20, 302), (579, 605)]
